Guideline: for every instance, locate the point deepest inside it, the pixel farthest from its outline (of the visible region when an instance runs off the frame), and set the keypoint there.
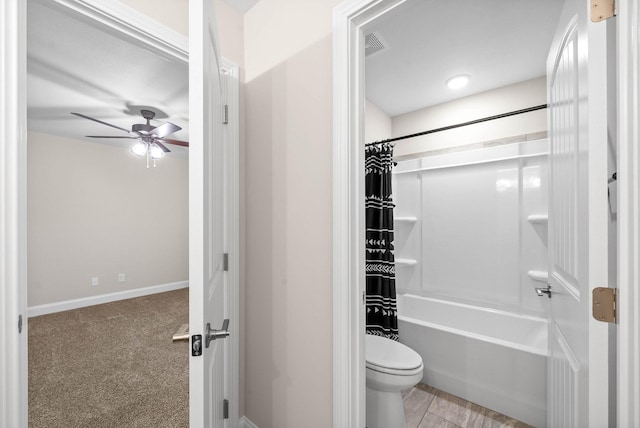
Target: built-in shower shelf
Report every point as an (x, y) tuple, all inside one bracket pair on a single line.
[(409, 220), (538, 275), (406, 262), (538, 218)]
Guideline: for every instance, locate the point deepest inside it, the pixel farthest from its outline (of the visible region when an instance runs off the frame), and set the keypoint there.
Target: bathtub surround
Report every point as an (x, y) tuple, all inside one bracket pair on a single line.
[(486, 233), (471, 240), (111, 365), (381, 312)]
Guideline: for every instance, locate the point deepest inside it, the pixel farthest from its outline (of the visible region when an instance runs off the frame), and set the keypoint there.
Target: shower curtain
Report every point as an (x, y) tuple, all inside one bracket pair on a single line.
[(382, 316)]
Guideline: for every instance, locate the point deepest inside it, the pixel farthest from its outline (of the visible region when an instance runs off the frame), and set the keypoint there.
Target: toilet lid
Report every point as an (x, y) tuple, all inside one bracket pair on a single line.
[(386, 353)]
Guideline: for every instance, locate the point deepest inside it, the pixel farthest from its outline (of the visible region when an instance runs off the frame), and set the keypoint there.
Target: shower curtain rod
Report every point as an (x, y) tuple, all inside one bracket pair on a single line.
[(458, 125)]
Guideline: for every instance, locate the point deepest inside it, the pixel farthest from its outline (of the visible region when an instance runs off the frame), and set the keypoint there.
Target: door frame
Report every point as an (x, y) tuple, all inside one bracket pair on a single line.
[(628, 305), (349, 20), (13, 184)]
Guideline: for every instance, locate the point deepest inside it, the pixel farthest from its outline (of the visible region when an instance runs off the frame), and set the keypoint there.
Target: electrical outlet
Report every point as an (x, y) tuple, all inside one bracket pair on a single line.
[(94, 281), (121, 277)]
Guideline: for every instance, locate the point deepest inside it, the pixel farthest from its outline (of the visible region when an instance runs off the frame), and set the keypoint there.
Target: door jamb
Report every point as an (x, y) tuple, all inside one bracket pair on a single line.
[(628, 306), (13, 214), (349, 20)]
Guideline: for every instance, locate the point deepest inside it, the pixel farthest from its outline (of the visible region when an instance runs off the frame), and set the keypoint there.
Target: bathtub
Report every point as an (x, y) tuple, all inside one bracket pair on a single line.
[(490, 357)]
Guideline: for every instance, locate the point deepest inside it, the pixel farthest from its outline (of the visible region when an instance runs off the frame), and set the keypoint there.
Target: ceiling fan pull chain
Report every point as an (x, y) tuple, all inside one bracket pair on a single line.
[(147, 158)]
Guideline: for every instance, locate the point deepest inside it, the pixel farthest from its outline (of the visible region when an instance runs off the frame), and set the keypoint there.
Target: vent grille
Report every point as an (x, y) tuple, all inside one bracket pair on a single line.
[(374, 43)]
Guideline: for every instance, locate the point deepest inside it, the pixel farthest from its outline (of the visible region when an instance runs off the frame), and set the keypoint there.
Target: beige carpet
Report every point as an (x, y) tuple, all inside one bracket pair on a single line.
[(111, 365)]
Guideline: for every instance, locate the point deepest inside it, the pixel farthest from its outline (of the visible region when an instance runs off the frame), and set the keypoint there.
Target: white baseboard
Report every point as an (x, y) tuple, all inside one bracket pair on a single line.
[(49, 308), (246, 423)]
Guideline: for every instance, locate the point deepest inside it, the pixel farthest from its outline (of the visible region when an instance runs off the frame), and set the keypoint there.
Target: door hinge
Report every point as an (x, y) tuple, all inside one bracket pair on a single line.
[(225, 262), (602, 10), (225, 409), (19, 323), (226, 114), (604, 304)]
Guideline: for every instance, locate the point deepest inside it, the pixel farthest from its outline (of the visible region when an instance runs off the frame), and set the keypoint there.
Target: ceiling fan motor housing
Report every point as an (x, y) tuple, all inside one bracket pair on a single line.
[(142, 128)]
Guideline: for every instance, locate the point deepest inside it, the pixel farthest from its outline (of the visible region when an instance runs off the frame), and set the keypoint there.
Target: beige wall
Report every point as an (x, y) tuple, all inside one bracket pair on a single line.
[(514, 97), (96, 211), (288, 65), (377, 123)]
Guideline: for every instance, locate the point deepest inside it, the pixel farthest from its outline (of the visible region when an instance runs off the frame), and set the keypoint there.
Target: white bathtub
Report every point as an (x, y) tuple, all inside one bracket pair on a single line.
[(493, 358)]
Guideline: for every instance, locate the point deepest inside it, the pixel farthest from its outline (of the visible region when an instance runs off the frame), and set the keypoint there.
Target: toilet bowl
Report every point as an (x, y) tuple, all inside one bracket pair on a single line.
[(391, 368)]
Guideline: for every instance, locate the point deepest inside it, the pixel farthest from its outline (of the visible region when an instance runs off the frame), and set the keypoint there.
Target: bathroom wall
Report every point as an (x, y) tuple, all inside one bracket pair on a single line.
[(502, 100), (96, 211), (377, 123)]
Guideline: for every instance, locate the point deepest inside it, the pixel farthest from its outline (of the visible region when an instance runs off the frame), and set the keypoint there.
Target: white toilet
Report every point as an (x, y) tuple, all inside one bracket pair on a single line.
[(391, 368)]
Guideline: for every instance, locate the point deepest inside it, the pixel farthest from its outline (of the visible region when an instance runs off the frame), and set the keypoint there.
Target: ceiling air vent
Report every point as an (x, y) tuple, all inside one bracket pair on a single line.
[(374, 43)]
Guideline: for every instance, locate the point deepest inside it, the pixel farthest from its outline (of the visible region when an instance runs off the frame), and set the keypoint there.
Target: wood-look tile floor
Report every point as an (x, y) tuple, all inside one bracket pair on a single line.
[(427, 407)]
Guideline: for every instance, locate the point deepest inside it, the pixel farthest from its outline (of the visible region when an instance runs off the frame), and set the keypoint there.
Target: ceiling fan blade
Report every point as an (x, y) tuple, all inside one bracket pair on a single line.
[(162, 146), (108, 136), (175, 142), (99, 121), (165, 129)]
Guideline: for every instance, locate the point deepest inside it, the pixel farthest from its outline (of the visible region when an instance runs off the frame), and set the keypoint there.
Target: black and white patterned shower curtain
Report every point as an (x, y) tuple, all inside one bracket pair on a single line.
[(382, 316)]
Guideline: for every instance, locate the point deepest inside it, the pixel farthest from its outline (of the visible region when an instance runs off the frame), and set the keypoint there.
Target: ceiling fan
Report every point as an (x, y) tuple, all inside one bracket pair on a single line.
[(151, 139)]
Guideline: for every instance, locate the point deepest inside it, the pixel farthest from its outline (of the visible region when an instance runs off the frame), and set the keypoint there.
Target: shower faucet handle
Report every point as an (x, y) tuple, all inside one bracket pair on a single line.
[(542, 291)]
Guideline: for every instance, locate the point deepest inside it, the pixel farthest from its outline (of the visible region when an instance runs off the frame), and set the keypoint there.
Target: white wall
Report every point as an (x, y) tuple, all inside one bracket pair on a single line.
[(97, 211), (377, 123), (509, 98), (288, 58)]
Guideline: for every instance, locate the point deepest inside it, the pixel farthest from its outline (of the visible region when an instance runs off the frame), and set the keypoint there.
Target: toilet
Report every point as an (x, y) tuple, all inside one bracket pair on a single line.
[(391, 368)]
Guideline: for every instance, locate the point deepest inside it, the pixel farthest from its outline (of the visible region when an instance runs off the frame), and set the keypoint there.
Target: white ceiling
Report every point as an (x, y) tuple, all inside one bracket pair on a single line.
[(76, 67), (497, 42)]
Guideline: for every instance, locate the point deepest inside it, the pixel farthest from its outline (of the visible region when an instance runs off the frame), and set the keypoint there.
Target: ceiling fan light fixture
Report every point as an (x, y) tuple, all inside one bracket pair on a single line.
[(139, 149), (155, 151), (458, 82)]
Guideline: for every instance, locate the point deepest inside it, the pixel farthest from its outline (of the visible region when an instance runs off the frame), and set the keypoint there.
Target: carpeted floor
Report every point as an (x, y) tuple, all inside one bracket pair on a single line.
[(111, 365)]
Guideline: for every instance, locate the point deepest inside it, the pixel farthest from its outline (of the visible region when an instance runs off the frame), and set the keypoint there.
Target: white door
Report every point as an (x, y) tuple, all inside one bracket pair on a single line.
[(207, 288), (578, 377)]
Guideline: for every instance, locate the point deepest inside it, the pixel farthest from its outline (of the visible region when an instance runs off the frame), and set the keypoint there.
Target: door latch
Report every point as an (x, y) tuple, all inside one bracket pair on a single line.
[(542, 291), (213, 334), (196, 345)]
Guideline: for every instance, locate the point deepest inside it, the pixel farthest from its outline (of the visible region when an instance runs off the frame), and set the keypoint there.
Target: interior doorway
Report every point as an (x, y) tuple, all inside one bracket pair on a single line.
[(352, 19)]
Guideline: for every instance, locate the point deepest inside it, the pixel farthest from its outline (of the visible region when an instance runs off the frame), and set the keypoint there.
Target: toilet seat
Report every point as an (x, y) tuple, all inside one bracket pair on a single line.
[(388, 356)]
